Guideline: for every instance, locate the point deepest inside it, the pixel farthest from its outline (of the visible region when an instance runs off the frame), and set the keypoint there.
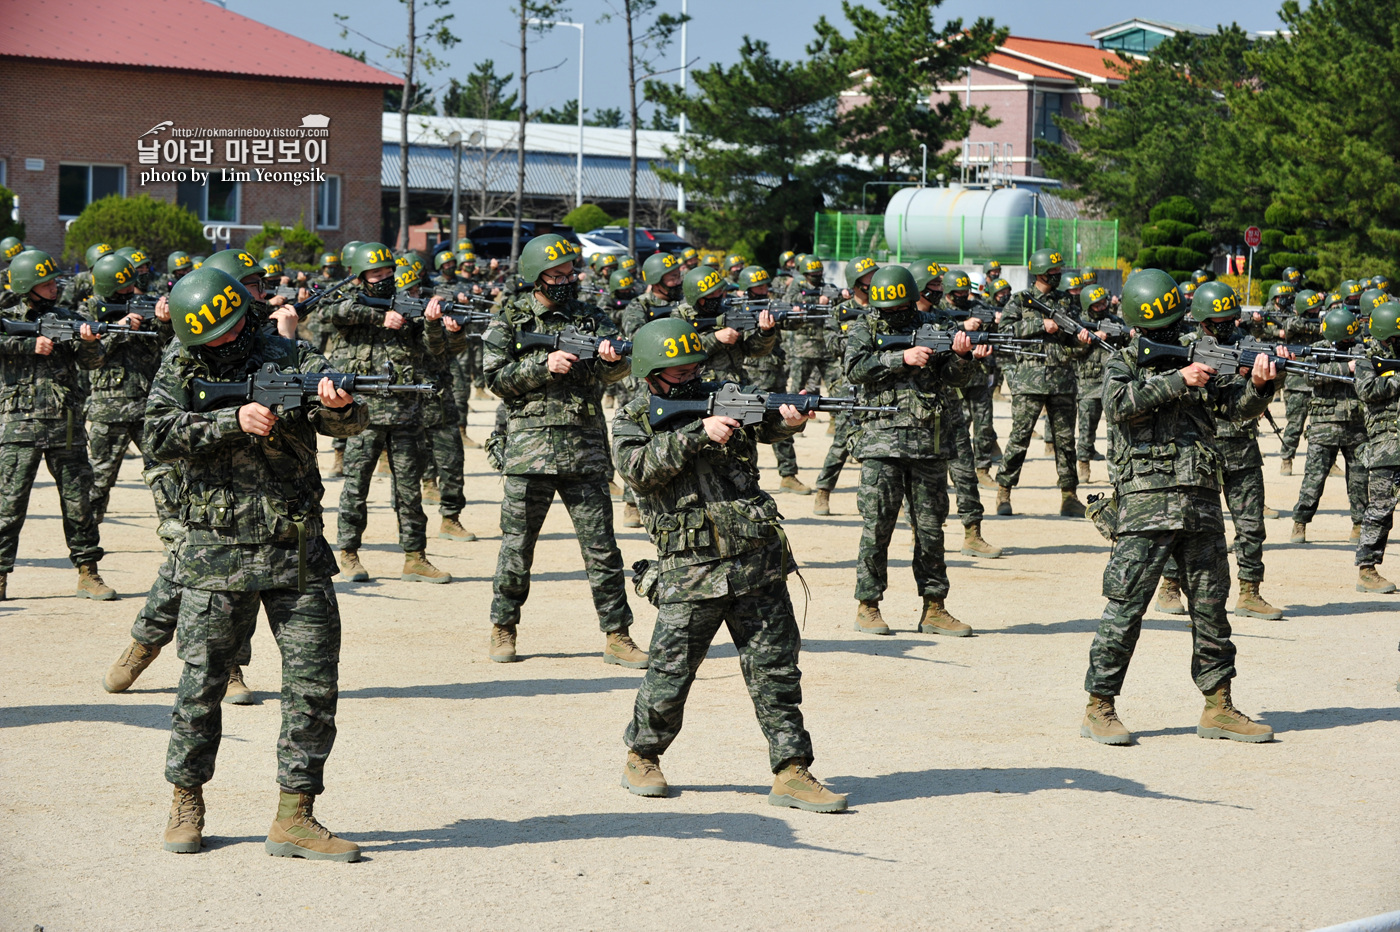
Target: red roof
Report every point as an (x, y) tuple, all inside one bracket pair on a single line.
[(185, 35), (1079, 60), (1024, 66)]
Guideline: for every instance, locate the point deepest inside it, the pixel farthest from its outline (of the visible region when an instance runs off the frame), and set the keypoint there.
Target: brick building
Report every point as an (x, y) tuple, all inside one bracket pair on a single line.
[(90, 86)]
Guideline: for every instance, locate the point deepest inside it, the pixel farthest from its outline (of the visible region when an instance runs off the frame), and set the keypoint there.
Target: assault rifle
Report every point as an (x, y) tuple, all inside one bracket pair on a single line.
[(744, 317), (143, 304), (729, 400), (941, 341), (1302, 350), (570, 340), (413, 308), (1223, 358), (65, 331), (984, 313), (283, 391), (1068, 324), (658, 311)]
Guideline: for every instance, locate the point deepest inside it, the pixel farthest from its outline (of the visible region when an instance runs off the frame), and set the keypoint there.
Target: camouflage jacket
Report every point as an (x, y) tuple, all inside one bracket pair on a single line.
[(42, 397), (555, 422), (639, 311), (78, 290), (726, 362), (716, 532), (364, 347), (251, 506), (837, 336), (1168, 467), (1336, 401), (1089, 369), (1300, 329), (1053, 375), (918, 430), (808, 338), (118, 390), (1381, 396)]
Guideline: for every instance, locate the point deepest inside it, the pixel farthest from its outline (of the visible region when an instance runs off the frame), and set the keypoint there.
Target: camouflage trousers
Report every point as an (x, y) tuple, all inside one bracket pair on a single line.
[(72, 473), (764, 631), (107, 443), (960, 466), (156, 623), (1129, 583), (977, 408), (1059, 411), (885, 484), (467, 372), (1295, 406), (838, 453), (446, 463), (1383, 491), (810, 374), (1090, 412), (405, 446), (524, 504), (213, 629), (1244, 495), (1321, 457)]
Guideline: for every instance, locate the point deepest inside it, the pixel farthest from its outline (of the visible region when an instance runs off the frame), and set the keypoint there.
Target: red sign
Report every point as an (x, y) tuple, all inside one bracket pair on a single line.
[(1252, 237)]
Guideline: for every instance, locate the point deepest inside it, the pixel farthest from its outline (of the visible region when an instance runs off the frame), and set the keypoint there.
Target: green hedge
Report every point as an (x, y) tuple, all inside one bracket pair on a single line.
[(156, 226)]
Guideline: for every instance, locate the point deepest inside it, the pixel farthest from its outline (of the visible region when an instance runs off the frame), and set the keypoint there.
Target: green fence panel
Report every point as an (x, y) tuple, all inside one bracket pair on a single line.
[(969, 240)]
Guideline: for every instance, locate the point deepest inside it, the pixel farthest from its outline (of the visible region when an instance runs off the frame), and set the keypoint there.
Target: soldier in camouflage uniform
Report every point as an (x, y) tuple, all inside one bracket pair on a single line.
[(453, 286), (177, 265), (119, 388), (252, 536), (10, 247), (141, 262), (1302, 326), (844, 314), (370, 337), (41, 418), (1089, 374), (770, 373), (1047, 384), (784, 273), (725, 347), (1380, 393), (79, 287), (1167, 505), (703, 474), (903, 455), (811, 366), (1336, 424), (556, 442)]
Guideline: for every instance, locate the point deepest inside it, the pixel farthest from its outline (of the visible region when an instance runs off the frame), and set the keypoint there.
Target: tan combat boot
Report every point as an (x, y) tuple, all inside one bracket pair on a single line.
[(1371, 581), (1336, 471), (452, 529), (481, 394), (467, 442), (794, 485), (1004, 500), (1101, 722), (623, 651), (184, 832), (796, 788), (236, 692), (642, 776), (133, 661), (1221, 719), (937, 620), (1169, 597), (1355, 537), (416, 568), (351, 566), (337, 466), (383, 469), (503, 644), (1285, 467), (1251, 604), (91, 586), (1270, 512), (631, 517), (1300, 533), (822, 504), (1070, 505), (985, 480), (614, 489), (295, 833), (1084, 471), (975, 546), (869, 620), (432, 495)]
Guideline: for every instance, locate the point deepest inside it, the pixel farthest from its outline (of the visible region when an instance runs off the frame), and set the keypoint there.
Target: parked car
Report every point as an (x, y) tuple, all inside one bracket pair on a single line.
[(648, 240), (492, 239), (595, 245)]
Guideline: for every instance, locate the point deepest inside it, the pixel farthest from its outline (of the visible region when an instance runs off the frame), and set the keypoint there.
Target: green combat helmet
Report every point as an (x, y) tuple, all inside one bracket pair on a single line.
[(206, 304), (1188, 291), (622, 281), (1385, 321), (443, 257), (1381, 282), (699, 283), (1047, 262), (1281, 290), (753, 276), (196, 262), (857, 268), (1092, 296), (272, 268), (1088, 276), (1002, 287), (29, 268), (671, 341), (1370, 300), (1072, 282), (604, 263), (689, 253), (1351, 291), (657, 265), (10, 247), (272, 252), (1340, 325), (734, 259), (544, 252), (627, 263), (1201, 276), (94, 252), (465, 245), (991, 271), (954, 280), (407, 278), (136, 256), (810, 266), (178, 263), (1308, 301), (1293, 276), (1151, 300), (369, 256), (923, 277), (1214, 301), (710, 261), (330, 259), (348, 250), (237, 264), (110, 275), (893, 286), (785, 258)]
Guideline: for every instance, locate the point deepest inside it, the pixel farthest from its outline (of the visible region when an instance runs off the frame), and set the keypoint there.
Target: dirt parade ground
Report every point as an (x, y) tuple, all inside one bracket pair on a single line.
[(486, 796)]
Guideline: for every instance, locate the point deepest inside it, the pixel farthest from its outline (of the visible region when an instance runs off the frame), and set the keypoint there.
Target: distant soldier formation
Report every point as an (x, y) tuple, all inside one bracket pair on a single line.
[(222, 371)]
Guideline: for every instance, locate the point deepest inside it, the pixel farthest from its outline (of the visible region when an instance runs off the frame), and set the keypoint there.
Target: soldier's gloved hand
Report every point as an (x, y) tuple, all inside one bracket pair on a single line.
[(331, 397), (1198, 373), (720, 428), (1050, 326), (43, 346), (728, 336), (560, 362), (607, 353), (163, 309), (393, 320), (920, 355), (257, 419), (86, 332)]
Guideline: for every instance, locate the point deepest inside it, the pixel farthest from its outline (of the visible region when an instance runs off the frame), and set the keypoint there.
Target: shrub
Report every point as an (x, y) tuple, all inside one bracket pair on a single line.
[(1177, 208), (9, 227), (586, 217), (156, 226), (300, 247)]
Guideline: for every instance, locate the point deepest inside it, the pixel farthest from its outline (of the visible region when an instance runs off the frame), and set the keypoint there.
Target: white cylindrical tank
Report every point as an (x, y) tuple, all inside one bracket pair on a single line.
[(936, 220)]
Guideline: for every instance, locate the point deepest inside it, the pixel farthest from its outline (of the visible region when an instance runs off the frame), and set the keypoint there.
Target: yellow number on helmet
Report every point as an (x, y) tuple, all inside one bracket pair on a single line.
[(671, 349), (192, 320)]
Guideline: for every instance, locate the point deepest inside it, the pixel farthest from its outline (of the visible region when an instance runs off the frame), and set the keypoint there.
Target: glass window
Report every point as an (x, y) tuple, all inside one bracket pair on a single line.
[(214, 202), (1047, 106), (328, 203), (80, 185)]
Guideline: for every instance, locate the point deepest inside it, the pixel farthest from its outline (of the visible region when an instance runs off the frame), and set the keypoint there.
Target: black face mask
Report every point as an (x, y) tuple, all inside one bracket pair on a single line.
[(40, 306), (1222, 330), (1172, 333), (623, 298), (562, 293), (960, 301), (661, 291), (1001, 298), (899, 318), (384, 288), (1053, 281), (706, 305), (688, 390), (232, 353)]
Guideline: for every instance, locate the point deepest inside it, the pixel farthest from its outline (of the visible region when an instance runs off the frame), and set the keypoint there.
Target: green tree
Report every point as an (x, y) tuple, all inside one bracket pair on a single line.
[(610, 117), (1173, 240), (9, 227), (300, 246), (482, 97), (586, 217), (156, 226)]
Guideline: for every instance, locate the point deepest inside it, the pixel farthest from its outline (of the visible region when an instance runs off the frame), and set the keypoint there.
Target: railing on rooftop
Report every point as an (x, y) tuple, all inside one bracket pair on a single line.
[(1084, 242)]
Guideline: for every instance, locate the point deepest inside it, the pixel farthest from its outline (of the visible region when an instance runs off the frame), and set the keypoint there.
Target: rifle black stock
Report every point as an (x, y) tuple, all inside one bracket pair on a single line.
[(729, 400), (570, 340), (413, 308)]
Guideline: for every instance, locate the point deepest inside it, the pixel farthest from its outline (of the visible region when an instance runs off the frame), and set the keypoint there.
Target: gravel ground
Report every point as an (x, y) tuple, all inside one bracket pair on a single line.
[(486, 796)]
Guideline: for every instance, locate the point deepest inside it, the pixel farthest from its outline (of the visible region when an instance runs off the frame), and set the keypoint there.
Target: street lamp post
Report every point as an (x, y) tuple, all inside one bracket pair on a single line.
[(454, 139), (685, 80), (578, 174)]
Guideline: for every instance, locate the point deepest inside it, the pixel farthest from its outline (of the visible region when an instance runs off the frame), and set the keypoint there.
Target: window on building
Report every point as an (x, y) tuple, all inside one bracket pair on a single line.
[(328, 203), (213, 202), (3, 175), (1047, 106), (1140, 41), (80, 185)]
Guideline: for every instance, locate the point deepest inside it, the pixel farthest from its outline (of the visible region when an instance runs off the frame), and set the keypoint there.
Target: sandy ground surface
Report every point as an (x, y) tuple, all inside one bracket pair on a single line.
[(486, 796)]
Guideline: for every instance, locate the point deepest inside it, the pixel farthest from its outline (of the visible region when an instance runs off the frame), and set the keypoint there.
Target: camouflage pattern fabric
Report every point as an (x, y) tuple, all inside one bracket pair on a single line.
[(1025, 408), (884, 486), (764, 631), (107, 444), (407, 450), (443, 459), (809, 337), (214, 628), (1336, 424), (977, 408), (78, 290), (1381, 397), (808, 374), (1383, 492), (1295, 407), (1089, 412), (1244, 494), (524, 504), (836, 455), (19, 464), (726, 362), (1053, 375), (960, 465), (770, 375), (365, 346)]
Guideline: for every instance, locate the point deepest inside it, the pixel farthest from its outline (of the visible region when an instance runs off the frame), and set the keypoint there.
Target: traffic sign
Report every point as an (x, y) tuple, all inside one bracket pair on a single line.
[(1252, 237)]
